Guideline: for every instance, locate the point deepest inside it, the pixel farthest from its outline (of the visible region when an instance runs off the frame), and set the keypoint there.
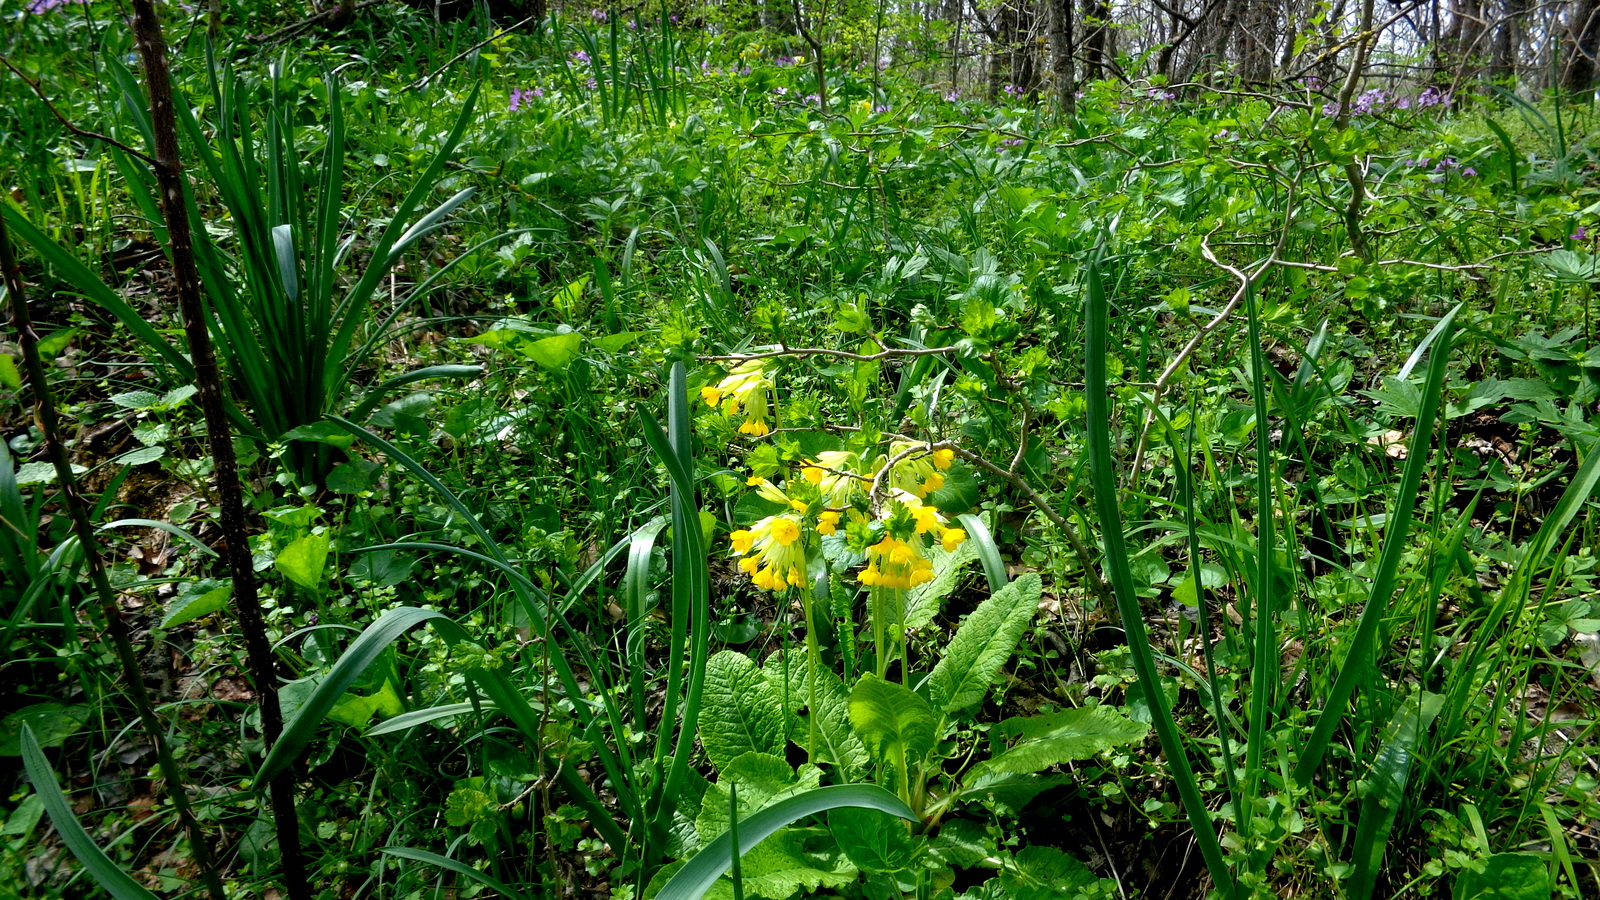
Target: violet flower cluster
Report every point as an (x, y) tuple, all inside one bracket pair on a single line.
[(520, 96), (1442, 167), (1376, 100)]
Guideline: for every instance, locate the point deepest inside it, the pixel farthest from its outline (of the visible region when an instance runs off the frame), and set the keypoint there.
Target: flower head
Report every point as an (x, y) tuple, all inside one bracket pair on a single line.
[(898, 559), (744, 389), (773, 554), (1580, 233)]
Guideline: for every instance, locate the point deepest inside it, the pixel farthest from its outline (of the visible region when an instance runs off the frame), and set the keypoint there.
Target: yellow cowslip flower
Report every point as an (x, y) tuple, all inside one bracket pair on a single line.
[(774, 555), (893, 563), (827, 522), (835, 473), (897, 561), (919, 474), (744, 389)]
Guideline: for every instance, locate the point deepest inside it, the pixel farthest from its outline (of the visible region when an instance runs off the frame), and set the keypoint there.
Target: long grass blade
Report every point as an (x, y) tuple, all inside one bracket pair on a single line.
[(377, 637), (1356, 666), (994, 568), (1386, 787), (116, 882), (456, 866), (1104, 480)]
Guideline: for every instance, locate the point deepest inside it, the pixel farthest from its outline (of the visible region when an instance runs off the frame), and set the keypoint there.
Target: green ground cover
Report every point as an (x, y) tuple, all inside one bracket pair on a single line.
[(1186, 494)]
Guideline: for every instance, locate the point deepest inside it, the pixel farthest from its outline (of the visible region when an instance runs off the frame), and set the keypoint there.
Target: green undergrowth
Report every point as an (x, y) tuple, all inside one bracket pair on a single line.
[(638, 450)]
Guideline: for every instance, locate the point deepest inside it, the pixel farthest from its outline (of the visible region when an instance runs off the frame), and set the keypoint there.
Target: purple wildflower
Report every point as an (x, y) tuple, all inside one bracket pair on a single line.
[(580, 57), (780, 90), (814, 98), (40, 7), (591, 84), (599, 16), (1469, 172), (1014, 90), (880, 108), (516, 99), (952, 96), (1580, 233)]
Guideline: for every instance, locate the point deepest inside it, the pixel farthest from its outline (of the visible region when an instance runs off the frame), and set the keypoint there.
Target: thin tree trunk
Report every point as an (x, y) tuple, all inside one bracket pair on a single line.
[(225, 466)]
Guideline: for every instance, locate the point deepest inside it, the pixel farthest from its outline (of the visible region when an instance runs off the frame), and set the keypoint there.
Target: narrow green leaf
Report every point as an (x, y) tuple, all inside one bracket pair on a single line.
[(116, 882), (702, 871), (1357, 661), (1386, 787), (174, 530), (1103, 478), (994, 568), (456, 866), (362, 653)]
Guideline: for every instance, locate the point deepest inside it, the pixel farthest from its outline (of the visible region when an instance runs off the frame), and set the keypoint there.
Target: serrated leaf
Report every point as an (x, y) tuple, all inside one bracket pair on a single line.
[(41, 473), (984, 643), (141, 455), (52, 724), (762, 779), (178, 395), (924, 601), (838, 744), (136, 400), (741, 711), (875, 841), (302, 561), (1045, 873), (893, 721), (1055, 738), (201, 599)]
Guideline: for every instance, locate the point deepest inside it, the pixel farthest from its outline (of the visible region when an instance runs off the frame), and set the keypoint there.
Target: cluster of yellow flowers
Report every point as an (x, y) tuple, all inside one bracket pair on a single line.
[(833, 486), (745, 388)]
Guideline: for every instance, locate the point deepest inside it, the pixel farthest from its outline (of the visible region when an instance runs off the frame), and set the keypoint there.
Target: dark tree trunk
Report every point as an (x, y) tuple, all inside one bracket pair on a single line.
[(1581, 47), (1061, 53), (1096, 39)]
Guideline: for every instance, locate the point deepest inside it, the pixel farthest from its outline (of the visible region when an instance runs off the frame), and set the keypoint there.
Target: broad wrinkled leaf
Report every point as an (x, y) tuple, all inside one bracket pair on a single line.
[(892, 720), (741, 712), (984, 643)]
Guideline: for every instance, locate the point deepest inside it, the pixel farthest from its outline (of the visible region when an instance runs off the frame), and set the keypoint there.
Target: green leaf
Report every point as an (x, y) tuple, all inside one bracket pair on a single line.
[(831, 712), (352, 477), (702, 871), (741, 712), (553, 353), (1387, 788), (357, 711), (116, 882), (366, 648), (984, 643), (51, 723), (139, 400), (9, 376), (302, 562), (432, 714), (51, 346), (924, 601), (994, 568), (762, 779), (141, 456), (875, 841), (456, 866), (1505, 876), (199, 599), (1045, 873), (894, 722), (1058, 737)]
